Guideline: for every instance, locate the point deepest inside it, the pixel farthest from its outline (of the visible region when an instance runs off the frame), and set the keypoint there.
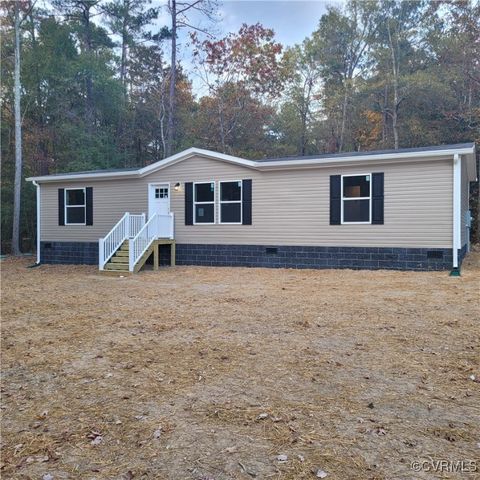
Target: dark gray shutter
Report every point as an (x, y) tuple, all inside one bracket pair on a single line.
[(246, 202), (89, 206), (188, 203), (61, 206), (377, 198), (335, 193)]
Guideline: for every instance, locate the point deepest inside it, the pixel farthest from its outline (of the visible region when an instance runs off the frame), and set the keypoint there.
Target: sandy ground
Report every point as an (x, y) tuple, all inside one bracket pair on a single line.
[(212, 373)]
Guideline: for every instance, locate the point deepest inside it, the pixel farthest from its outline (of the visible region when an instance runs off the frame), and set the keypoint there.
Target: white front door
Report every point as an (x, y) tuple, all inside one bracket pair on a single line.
[(159, 199)]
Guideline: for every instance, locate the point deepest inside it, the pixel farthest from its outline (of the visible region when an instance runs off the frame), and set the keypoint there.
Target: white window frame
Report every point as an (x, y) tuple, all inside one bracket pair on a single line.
[(220, 202), (195, 203), (65, 206), (369, 198)]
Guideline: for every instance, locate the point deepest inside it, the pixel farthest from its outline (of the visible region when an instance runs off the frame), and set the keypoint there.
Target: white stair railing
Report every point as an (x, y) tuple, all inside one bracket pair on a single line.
[(158, 226), (140, 243), (128, 226), (166, 226), (136, 224)]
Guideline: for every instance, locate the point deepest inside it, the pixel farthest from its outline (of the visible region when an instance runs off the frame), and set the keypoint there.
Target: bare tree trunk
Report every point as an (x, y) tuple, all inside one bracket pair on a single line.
[(221, 125), (303, 136), (123, 65), (17, 191), (384, 116), (395, 115), (90, 108), (396, 101), (344, 118), (173, 72), (162, 119)]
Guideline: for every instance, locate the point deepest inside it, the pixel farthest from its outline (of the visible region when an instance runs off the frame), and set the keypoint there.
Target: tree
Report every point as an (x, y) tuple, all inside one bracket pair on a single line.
[(341, 42), (179, 19), (92, 39), (301, 98), (128, 19), (16, 247), (243, 122), (397, 36), (247, 62)]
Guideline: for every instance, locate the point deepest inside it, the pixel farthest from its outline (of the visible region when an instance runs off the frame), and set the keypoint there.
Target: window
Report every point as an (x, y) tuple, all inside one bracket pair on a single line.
[(204, 202), (75, 206), (231, 202), (161, 192), (356, 198)]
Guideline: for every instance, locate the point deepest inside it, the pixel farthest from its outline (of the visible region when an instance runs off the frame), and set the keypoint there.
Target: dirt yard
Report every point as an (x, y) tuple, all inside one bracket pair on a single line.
[(219, 373)]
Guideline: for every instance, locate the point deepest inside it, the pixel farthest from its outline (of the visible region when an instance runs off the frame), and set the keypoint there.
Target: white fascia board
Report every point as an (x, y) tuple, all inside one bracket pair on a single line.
[(85, 176)]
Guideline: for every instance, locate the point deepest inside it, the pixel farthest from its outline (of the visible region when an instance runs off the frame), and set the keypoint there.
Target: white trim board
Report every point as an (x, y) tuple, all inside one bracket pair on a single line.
[(457, 207), (348, 160)]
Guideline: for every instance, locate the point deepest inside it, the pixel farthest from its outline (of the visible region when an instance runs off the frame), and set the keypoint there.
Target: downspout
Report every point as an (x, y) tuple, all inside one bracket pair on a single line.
[(37, 185), (457, 175)]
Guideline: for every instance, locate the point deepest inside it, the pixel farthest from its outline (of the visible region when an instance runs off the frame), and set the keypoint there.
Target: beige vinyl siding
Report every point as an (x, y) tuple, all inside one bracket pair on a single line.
[(289, 207), (111, 199)]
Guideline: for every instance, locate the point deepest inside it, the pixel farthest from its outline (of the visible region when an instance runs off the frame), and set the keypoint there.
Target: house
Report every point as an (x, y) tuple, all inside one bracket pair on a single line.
[(401, 209)]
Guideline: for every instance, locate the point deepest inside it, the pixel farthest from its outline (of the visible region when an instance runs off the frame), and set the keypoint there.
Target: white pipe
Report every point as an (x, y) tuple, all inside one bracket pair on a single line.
[(37, 185), (457, 174)]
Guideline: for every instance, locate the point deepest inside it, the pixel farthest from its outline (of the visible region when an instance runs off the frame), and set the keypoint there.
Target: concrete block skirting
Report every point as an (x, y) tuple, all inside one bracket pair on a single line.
[(316, 257), (69, 252), (275, 256)]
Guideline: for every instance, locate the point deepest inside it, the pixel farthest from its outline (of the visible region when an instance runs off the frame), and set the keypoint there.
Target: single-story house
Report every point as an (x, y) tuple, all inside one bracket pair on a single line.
[(404, 209)]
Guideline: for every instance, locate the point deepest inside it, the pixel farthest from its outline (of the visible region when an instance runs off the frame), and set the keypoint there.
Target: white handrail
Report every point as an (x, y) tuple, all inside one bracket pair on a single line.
[(158, 226), (128, 226), (140, 243)]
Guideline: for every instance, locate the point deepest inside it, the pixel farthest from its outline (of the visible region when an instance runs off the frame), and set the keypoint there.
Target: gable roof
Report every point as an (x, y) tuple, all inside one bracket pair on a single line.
[(321, 160)]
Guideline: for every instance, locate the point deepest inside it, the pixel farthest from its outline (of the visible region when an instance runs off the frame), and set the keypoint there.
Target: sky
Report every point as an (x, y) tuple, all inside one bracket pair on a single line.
[(292, 21)]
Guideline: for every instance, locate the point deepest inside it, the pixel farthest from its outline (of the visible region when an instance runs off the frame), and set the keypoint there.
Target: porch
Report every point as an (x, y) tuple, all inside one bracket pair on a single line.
[(128, 245)]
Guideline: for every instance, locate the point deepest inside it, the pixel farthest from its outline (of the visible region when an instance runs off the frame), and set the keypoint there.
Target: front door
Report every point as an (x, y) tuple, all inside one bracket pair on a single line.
[(159, 199)]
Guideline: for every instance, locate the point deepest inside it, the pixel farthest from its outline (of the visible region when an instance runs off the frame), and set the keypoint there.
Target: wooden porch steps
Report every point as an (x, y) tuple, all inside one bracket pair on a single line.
[(118, 264)]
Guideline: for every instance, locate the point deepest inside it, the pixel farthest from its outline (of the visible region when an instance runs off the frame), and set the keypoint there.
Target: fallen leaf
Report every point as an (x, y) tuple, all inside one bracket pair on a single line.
[(97, 440)]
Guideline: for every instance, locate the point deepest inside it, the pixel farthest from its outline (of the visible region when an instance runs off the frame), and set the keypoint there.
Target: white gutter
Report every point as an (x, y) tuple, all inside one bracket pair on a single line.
[(457, 207), (37, 185)]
